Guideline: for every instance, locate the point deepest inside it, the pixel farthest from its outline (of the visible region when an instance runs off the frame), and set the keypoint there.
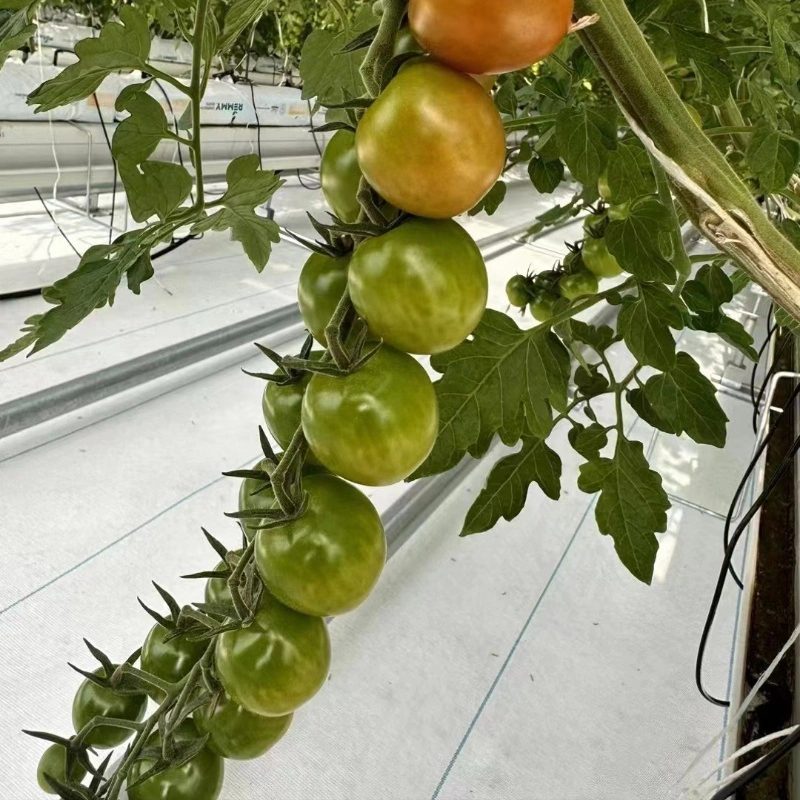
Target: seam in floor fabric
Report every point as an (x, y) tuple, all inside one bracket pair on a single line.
[(122, 538)]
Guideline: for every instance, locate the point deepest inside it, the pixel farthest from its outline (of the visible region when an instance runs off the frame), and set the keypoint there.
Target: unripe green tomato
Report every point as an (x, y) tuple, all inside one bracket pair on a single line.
[(579, 284), (422, 287), (236, 733), (340, 176), (593, 221), (281, 404), (277, 663), (376, 425), (599, 260), (217, 591), (169, 660), (320, 288), (517, 291), (54, 763), (544, 306), (200, 778), (93, 701), (327, 561)]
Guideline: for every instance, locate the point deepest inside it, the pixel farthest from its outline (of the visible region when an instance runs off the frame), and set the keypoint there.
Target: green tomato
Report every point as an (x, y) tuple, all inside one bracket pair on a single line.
[(169, 660), (599, 260), (200, 778), (234, 732), (217, 591), (327, 561), (375, 426), (54, 763), (281, 405), (320, 288), (341, 176), (277, 663), (93, 701), (517, 291), (422, 287), (544, 306), (579, 284)]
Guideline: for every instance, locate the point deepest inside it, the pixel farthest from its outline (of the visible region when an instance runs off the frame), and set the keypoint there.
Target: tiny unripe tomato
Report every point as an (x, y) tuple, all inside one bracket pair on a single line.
[(54, 763), (593, 221), (422, 287), (200, 778), (236, 733), (340, 176), (517, 291), (327, 561), (217, 591), (169, 660), (579, 284), (433, 143), (281, 404), (374, 426), (93, 701), (598, 259), (544, 306), (320, 288), (275, 664), (490, 37)]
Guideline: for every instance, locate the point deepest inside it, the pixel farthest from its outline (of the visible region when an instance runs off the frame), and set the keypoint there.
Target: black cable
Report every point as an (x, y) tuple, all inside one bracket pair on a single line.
[(766, 493), (746, 778), (771, 330), (258, 124), (174, 245), (310, 187), (759, 452), (114, 167), (53, 220), (770, 372)]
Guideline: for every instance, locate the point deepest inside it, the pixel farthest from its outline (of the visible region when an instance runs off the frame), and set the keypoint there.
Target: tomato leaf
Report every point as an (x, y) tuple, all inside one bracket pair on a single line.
[(585, 137), (707, 55), (17, 27), (773, 157), (241, 15), (588, 442), (489, 381), (506, 490), (155, 188), (686, 399), (120, 46), (546, 175), (139, 134), (248, 186), (632, 507), (629, 173), (492, 201)]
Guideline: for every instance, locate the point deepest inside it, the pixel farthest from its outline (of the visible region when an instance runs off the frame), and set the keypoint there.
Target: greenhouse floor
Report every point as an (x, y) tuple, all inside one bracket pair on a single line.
[(521, 664)]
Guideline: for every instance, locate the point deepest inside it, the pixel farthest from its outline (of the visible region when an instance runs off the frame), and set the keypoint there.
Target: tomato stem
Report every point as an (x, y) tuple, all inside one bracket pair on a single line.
[(373, 68)]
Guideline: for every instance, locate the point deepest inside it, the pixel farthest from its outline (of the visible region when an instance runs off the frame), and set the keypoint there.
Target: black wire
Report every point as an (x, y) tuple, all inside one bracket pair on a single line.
[(770, 372), (53, 220), (258, 123), (309, 186), (174, 125), (174, 245), (775, 755), (771, 330), (113, 165), (766, 493)]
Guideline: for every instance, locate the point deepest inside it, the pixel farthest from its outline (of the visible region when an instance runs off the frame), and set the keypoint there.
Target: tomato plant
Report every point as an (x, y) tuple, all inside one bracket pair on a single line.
[(276, 664), (433, 143), (421, 287), (375, 426)]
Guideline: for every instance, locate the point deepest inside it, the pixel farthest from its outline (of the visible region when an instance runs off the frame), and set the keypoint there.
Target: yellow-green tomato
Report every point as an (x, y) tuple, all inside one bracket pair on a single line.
[(320, 288), (93, 701), (328, 560), (544, 306), (578, 284), (277, 663), (200, 778), (281, 404), (374, 426), (54, 763), (422, 287), (599, 260), (340, 176), (236, 733)]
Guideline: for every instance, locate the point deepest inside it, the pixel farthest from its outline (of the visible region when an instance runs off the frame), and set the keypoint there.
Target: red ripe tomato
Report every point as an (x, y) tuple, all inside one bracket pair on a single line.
[(433, 143), (490, 36)]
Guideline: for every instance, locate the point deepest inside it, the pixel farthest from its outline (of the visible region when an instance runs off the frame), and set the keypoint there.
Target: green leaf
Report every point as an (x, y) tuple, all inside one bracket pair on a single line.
[(489, 382), (791, 230), (92, 285), (632, 507), (787, 321), (717, 283), (17, 27), (782, 38), (590, 383), (545, 175), (687, 399), (630, 173), (707, 55), (645, 325), (155, 188), (329, 74), (599, 338), (773, 157), (588, 442), (118, 47), (139, 134), (492, 201), (726, 328), (506, 490), (635, 241), (586, 136), (241, 15), (639, 403), (248, 186)]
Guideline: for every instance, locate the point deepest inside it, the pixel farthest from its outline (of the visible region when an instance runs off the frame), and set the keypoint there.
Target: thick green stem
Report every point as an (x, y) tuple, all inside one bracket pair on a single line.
[(713, 195), (197, 89), (382, 48), (680, 256)]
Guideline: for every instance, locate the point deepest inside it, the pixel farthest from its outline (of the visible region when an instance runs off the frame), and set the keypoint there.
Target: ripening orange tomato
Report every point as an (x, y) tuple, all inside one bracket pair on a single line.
[(490, 36)]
